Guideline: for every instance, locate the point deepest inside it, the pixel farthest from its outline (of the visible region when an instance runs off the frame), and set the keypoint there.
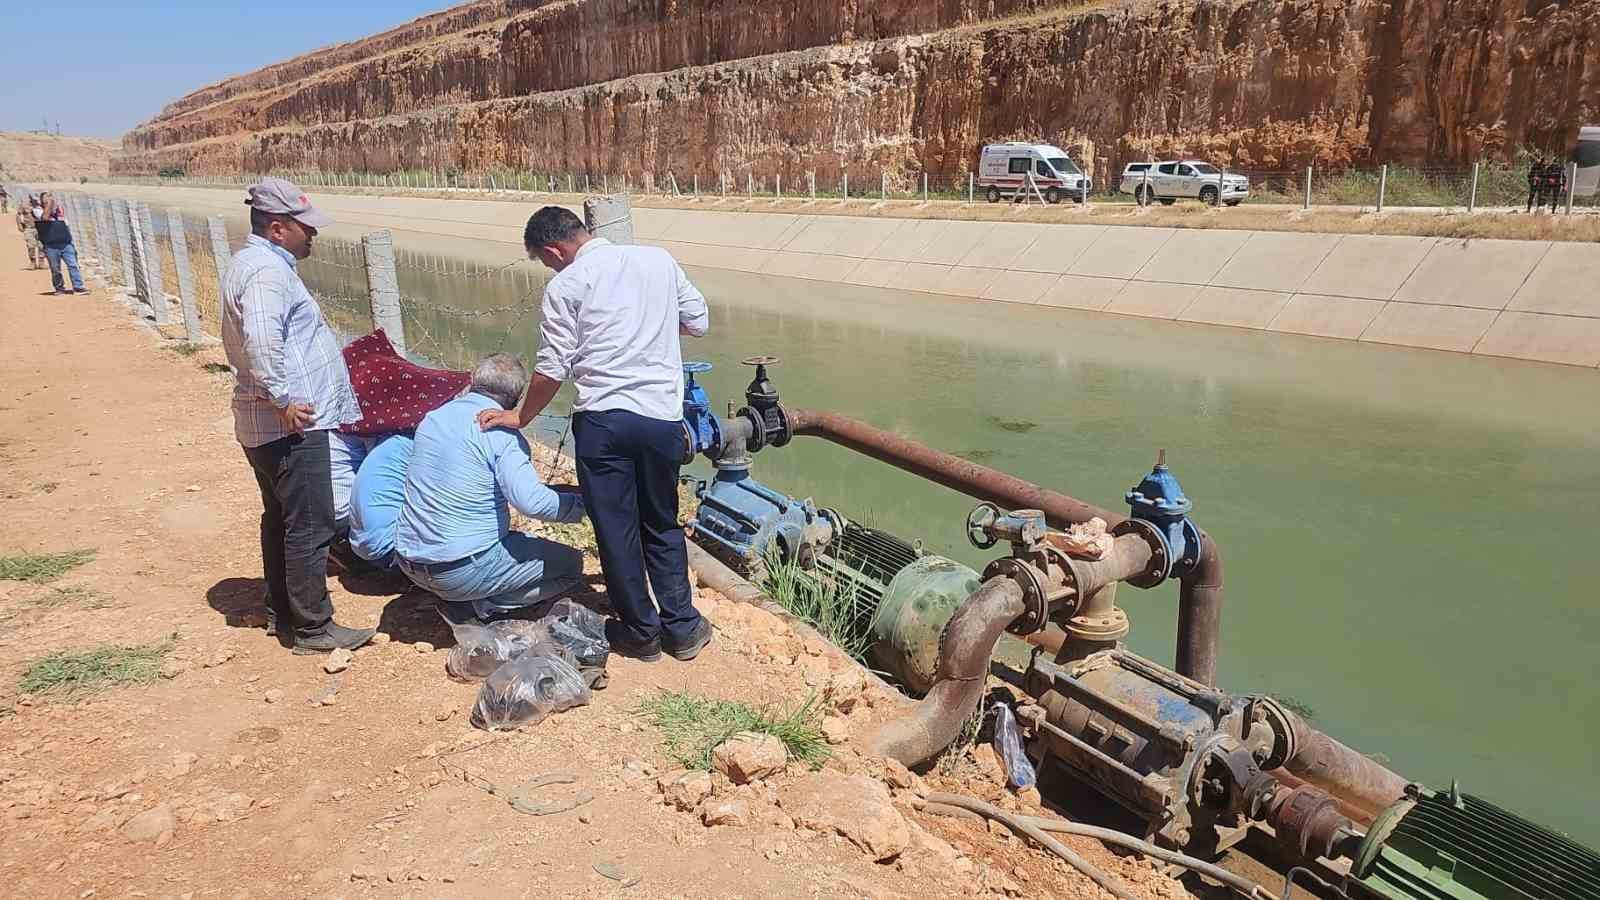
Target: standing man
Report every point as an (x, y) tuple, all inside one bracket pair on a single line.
[(1535, 183), (612, 317), (26, 224), (55, 235), (292, 389), (1558, 183)]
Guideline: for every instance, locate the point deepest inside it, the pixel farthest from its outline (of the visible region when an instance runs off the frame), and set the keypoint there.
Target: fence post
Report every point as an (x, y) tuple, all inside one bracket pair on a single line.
[(750, 184), (1308, 188), (156, 275), (180, 260), (219, 247), (883, 186), (924, 188), (605, 184), (1222, 173), (970, 180), (1572, 183), (1472, 195), (1383, 184), (102, 238), (696, 177), (610, 218), (811, 183), (778, 180), (847, 185), (122, 222), (383, 286), (141, 265)]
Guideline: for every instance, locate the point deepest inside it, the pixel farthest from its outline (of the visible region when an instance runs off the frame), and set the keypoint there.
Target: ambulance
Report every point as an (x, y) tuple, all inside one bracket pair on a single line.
[(1003, 170)]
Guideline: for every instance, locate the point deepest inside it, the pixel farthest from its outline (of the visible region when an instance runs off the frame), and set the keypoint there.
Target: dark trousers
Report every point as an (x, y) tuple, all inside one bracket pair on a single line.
[(296, 528), (628, 469)]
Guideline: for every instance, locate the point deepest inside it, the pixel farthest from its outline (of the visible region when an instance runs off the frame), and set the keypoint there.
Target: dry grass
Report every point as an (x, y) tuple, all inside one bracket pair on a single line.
[(73, 675), (40, 568)]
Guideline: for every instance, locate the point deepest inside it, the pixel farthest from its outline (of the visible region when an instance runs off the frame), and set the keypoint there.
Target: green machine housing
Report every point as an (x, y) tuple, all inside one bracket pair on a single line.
[(1436, 844)]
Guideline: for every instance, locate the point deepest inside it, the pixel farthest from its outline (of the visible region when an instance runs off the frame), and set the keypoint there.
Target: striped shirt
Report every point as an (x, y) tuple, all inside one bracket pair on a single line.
[(280, 347)]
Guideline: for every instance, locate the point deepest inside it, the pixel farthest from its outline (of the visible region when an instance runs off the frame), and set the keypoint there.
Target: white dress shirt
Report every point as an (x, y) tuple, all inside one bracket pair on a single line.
[(611, 322)]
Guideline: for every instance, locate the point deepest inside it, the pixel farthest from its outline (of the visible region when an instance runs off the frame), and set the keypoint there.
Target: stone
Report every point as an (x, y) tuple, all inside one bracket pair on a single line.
[(854, 807), (273, 695), (183, 763), (726, 812), (337, 661), (380, 638), (845, 688), (150, 824), (896, 775), (938, 851), (749, 756), (835, 730), (220, 656), (365, 873), (685, 790), (229, 807), (423, 647), (988, 763), (172, 667)]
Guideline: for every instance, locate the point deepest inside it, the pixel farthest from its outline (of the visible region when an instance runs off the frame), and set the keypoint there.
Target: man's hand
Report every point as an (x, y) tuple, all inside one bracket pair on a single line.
[(297, 417), (500, 418)]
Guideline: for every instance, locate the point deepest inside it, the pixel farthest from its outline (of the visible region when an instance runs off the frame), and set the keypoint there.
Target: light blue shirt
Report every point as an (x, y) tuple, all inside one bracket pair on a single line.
[(378, 495), (460, 480), (280, 347), (345, 453)]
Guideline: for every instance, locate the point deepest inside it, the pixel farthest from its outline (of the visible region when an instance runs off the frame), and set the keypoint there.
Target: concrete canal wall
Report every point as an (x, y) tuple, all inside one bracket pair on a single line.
[(1534, 300)]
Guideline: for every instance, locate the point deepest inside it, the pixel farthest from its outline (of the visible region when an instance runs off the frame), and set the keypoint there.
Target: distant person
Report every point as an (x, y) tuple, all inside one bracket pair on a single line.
[(291, 389), (1557, 183), (55, 236), (612, 320), (27, 224), (454, 537), (5, 200), (1536, 176)]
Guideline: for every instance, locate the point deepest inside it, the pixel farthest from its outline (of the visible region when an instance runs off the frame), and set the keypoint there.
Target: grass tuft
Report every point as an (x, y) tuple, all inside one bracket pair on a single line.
[(184, 348), (76, 595), (73, 675), (819, 601), (43, 567), (693, 726), (217, 368), (951, 758)]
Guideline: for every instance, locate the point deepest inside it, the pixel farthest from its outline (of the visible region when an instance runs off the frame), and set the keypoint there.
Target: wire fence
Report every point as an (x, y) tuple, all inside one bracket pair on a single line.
[(1489, 185)]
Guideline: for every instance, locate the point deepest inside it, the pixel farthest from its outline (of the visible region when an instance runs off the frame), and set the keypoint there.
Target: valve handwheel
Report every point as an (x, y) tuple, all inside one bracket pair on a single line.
[(979, 520), (696, 366), (760, 361)]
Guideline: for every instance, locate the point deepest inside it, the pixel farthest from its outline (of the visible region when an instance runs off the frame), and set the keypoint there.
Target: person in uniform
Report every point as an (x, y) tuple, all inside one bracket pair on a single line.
[(30, 232)]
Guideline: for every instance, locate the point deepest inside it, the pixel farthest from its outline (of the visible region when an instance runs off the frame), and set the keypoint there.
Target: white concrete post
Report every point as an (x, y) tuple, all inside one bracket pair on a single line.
[(610, 218), (970, 184), (1222, 172), (883, 186), (1383, 184), (156, 276), (220, 252), (180, 259), (847, 185), (605, 184), (1308, 188), (122, 222), (383, 287), (696, 185), (1572, 183), (750, 184), (1472, 195), (141, 270), (779, 183), (1144, 186), (104, 239), (924, 188)]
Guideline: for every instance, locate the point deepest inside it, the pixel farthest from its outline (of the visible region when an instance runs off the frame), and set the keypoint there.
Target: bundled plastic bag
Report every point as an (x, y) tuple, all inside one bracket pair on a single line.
[(530, 687), (481, 649), (581, 630), (1008, 746)]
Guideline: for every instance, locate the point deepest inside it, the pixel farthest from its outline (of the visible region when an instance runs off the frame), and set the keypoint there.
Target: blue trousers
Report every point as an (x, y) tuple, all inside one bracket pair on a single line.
[(519, 571), (628, 469), (56, 255)]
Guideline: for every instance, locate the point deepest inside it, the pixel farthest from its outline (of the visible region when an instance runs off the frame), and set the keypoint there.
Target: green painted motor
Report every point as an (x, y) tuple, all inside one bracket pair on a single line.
[(919, 600), (1453, 845)]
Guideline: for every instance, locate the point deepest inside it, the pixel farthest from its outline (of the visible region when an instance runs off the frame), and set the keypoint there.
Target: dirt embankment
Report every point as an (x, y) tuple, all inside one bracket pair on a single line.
[(27, 156), (240, 770), (702, 87)]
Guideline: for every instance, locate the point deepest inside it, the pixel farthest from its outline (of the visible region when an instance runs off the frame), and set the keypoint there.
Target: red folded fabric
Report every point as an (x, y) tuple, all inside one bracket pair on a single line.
[(394, 393)]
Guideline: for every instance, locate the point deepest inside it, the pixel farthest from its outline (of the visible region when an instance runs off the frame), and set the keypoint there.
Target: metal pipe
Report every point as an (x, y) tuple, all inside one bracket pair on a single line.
[(965, 648), (1199, 600), (1340, 770)]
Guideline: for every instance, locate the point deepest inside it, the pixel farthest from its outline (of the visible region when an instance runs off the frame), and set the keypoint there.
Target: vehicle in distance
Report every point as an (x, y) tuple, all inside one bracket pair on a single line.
[(1003, 170), (1182, 179)]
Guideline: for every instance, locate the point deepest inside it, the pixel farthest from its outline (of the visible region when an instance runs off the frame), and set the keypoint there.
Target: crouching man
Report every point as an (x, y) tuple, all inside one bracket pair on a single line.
[(454, 536)]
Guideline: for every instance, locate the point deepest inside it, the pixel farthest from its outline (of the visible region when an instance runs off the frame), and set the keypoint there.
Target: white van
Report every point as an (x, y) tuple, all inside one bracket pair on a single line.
[(1003, 170), (1587, 155)]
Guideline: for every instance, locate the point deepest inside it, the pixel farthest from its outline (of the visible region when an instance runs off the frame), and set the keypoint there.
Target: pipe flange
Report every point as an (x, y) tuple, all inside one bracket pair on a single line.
[(1268, 711), (1036, 606), (1160, 556), (1113, 626)]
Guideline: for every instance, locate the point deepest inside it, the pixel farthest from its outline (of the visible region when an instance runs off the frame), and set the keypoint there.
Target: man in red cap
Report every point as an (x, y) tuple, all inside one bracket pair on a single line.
[(292, 389)]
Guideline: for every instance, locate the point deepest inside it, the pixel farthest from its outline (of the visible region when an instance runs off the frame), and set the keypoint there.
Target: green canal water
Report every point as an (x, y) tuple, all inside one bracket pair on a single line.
[(1407, 533)]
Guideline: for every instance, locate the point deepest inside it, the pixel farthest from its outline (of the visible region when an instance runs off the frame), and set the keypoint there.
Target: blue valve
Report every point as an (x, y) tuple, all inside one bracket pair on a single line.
[(1160, 500), (702, 428)]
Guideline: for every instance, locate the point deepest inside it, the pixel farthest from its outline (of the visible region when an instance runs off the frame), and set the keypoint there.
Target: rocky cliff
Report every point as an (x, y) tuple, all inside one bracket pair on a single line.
[(730, 86)]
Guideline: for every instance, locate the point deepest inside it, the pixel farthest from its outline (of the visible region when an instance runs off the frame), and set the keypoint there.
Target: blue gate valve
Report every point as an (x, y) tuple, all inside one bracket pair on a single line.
[(702, 429), (1159, 500)]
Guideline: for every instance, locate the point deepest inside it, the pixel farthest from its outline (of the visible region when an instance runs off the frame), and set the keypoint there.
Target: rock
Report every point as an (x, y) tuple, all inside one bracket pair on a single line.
[(221, 656), (365, 873), (896, 775), (1030, 798), (854, 807), (938, 852), (183, 763), (433, 749), (749, 756), (172, 667), (150, 824), (193, 489), (423, 647), (273, 695), (726, 812), (380, 638), (586, 818), (835, 730), (685, 790), (229, 807), (337, 661), (845, 688), (635, 769), (397, 875)]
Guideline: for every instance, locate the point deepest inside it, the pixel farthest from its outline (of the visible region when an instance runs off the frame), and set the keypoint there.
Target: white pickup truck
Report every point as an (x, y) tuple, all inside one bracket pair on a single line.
[(1182, 179)]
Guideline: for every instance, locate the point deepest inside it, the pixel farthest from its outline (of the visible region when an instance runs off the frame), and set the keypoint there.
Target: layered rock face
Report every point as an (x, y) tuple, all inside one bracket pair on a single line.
[(708, 87)]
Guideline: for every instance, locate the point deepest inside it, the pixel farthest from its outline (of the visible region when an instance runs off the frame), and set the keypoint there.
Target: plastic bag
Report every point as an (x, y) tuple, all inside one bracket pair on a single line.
[(1008, 746), (527, 689), (581, 630), (481, 649)]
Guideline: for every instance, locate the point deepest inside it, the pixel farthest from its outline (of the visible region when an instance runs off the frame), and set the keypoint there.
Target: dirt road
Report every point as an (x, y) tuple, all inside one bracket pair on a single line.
[(229, 776)]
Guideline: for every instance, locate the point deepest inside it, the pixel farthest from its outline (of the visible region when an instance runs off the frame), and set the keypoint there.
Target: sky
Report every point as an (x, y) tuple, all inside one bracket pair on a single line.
[(111, 65)]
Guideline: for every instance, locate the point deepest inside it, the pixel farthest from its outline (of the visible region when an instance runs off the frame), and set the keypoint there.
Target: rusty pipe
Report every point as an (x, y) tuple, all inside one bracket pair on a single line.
[(1322, 762), (965, 647), (1200, 596)]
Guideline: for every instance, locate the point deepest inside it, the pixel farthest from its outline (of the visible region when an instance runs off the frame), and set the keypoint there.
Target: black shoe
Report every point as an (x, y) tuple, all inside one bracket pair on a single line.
[(689, 649), (333, 637), (622, 645), (272, 624)]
